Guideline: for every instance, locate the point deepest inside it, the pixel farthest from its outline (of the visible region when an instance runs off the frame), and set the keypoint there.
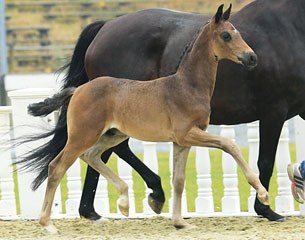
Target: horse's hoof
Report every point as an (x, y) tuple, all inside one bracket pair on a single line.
[(51, 229), (282, 219), (123, 203), (266, 212), (182, 224), (90, 215), (155, 205), (124, 210)]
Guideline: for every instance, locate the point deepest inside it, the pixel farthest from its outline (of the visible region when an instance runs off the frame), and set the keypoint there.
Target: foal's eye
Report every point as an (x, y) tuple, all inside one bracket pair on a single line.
[(226, 36)]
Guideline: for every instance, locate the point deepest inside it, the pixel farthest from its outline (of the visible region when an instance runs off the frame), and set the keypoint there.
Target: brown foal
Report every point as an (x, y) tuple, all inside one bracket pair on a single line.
[(103, 112)]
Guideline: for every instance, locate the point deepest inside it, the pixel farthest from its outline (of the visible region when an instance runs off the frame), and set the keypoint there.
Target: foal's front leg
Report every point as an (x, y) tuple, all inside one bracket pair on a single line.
[(198, 137), (179, 161)]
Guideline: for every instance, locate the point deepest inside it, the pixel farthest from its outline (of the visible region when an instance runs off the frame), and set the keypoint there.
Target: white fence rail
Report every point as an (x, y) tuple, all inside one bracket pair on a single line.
[(16, 118)]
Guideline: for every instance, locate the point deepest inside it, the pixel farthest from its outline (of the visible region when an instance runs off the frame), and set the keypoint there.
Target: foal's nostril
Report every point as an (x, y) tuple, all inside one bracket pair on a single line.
[(249, 60), (252, 59)]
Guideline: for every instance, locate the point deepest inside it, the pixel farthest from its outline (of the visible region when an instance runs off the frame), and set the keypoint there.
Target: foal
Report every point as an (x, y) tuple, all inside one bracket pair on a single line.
[(103, 112)]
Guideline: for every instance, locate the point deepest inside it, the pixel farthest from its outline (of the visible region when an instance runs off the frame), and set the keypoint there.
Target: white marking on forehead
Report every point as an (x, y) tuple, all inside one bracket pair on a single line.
[(234, 29)]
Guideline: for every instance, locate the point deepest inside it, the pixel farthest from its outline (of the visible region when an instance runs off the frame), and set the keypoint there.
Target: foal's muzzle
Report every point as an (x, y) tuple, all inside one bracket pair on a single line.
[(249, 60)]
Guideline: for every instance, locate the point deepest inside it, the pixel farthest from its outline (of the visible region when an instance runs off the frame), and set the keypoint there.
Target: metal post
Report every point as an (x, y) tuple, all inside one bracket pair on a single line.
[(3, 53)]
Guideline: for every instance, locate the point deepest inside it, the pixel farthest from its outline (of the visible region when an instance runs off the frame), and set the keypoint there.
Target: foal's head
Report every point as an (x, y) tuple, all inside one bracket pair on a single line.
[(227, 41)]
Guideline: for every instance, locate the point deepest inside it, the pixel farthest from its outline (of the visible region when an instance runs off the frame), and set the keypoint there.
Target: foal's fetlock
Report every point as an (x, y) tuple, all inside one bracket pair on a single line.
[(262, 193), (263, 196)]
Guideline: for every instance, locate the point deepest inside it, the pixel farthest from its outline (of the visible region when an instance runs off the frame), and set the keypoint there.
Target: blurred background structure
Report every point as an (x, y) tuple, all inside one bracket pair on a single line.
[(3, 52), (41, 33)]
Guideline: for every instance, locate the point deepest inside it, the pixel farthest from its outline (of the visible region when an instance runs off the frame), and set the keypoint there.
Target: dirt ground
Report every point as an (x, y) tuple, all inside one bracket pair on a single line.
[(160, 228)]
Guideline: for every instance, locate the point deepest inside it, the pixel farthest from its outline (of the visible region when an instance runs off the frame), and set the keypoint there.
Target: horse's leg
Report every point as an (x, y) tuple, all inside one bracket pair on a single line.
[(198, 137), (92, 157), (94, 161), (86, 207), (179, 163), (156, 199), (56, 171), (270, 130)]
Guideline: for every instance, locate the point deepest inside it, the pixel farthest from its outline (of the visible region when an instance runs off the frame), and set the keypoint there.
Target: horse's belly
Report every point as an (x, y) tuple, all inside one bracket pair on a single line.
[(147, 131), (151, 137)]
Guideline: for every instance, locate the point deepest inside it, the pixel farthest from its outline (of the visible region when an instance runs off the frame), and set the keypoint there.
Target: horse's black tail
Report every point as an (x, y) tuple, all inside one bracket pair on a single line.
[(76, 74), (39, 159)]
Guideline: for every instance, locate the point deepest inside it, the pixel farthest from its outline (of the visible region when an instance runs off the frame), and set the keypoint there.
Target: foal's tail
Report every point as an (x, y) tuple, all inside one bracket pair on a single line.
[(51, 104), (38, 160)]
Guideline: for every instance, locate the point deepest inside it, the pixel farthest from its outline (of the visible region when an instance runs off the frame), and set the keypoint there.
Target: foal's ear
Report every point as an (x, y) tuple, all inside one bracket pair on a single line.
[(227, 13), (218, 14)]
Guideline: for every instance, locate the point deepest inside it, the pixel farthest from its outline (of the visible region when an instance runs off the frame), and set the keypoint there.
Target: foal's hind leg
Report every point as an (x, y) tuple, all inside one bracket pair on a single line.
[(156, 199), (198, 137), (92, 157), (57, 169), (86, 206)]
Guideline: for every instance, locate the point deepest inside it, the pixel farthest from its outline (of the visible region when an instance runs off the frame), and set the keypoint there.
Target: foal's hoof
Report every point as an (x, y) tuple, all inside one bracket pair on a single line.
[(123, 204), (124, 210), (155, 205), (51, 229), (182, 224)]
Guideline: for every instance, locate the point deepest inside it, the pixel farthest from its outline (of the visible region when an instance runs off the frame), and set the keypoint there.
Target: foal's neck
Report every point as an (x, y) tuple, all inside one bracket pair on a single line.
[(198, 68)]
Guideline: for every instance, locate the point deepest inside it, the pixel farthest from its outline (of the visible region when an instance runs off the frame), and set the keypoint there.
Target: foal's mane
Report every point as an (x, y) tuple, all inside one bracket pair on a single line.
[(188, 47)]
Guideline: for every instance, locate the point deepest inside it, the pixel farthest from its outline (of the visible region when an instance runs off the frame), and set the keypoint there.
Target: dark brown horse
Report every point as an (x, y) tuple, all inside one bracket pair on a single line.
[(154, 40), (181, 101)]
